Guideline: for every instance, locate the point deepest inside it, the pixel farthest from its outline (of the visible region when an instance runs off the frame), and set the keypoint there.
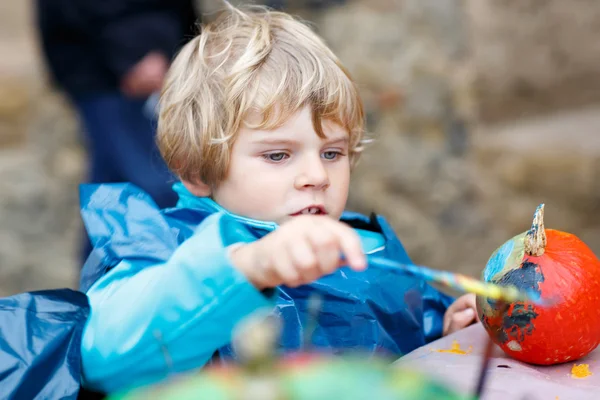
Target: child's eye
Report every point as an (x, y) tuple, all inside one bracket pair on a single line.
[(275, 157), (331, 155)]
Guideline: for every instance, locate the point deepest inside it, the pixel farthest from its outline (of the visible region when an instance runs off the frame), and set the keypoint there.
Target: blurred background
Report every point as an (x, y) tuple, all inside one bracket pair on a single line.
[(481, 109)]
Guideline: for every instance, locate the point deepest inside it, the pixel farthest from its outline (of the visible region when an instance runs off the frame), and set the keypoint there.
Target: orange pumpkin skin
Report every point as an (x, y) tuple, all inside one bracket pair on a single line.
[(567, 271)]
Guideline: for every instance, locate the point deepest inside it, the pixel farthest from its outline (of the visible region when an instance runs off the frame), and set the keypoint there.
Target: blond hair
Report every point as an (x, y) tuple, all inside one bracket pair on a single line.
[(249, 61)]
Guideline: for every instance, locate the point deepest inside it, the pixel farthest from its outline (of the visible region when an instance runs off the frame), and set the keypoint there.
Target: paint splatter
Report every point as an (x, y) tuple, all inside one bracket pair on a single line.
[(519, 322), (516, 321), (580, 371), (498, 261), (529, 276), (514, 345), (455, 349)]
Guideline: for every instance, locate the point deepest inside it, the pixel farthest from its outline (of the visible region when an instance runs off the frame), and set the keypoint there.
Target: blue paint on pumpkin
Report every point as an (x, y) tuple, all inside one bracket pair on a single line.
[(498, 260)]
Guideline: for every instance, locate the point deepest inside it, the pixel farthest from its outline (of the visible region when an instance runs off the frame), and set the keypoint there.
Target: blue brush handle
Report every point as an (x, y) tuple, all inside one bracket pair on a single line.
[(449, 279)]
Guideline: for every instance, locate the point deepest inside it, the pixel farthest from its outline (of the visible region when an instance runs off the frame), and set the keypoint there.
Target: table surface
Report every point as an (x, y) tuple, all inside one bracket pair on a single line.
[(507, 378)]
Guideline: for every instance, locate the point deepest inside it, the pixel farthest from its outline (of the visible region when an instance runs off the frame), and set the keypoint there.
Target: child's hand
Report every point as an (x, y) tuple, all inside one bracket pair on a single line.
[(460, 314), (299, 252)]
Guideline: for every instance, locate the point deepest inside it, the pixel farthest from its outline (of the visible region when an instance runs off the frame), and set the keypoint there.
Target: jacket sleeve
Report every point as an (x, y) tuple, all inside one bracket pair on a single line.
[(40, 336), (435, 304), (126, 30), (149, 321)]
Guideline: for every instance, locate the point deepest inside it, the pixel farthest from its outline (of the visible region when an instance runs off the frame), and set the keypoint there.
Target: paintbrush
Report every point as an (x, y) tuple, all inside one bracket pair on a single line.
[(485, 361), (462, 283), (484, 371)]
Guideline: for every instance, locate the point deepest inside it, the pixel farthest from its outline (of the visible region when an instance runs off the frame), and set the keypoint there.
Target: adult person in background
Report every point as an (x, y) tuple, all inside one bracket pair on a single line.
[(110, 58)]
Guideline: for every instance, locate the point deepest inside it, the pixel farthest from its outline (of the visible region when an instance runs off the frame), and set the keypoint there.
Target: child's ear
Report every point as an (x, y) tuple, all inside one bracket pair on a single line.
[(197, 188)]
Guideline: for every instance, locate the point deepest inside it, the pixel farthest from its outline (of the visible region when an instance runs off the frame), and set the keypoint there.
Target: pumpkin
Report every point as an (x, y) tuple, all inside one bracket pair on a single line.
[(562, 270)]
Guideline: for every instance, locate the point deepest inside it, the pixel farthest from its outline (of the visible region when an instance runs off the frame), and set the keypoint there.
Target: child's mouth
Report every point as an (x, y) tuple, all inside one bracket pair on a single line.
[(312, 210)]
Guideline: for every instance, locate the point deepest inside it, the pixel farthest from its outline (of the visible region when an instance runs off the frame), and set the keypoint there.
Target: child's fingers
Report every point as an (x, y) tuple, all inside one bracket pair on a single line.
[(328, 258), (351, 246), (460, 320), (304, 259), (462, 303), (267, 277), (466, 301), (283, 265), (325, 245), (464, 318)]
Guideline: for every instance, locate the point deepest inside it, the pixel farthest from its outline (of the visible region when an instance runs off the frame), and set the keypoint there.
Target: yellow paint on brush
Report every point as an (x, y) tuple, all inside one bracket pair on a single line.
[(580, 371), (455, 349)]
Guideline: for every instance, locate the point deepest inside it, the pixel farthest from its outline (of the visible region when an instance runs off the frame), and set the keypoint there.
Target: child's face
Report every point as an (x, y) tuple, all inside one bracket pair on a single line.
[(275, 175)]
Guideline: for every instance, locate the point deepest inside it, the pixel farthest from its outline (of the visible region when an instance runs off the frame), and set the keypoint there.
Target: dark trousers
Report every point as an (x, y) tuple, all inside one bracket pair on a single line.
[(120, 137)]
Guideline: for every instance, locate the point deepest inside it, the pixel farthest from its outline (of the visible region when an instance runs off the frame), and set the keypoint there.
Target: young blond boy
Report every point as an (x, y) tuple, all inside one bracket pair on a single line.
[(263, 125)]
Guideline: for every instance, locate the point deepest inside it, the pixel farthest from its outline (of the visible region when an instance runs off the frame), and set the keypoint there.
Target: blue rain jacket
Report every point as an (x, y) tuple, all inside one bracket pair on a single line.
[(164, 298), (40, 339)]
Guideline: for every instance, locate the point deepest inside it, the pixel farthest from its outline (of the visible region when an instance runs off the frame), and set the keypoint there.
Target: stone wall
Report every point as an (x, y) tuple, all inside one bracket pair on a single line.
[(463, 153), (41, 161), (447, 83), (534, 56)]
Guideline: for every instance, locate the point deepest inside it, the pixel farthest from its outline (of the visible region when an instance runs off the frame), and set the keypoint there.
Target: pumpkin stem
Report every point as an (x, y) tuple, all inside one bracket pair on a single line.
[(535, 239)]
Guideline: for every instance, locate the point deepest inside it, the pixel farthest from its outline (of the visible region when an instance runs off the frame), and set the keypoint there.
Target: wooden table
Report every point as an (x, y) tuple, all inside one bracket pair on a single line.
[(508, 379)]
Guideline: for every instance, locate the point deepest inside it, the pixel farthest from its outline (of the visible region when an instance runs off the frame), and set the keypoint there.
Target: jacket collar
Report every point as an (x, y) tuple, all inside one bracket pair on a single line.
[(372, 241), (189, 200)]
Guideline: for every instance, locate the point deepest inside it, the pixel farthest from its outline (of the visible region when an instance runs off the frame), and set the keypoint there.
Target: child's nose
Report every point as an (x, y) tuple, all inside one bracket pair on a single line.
[(312, 175)]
